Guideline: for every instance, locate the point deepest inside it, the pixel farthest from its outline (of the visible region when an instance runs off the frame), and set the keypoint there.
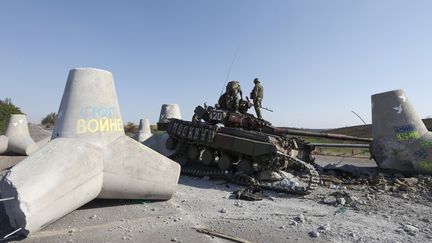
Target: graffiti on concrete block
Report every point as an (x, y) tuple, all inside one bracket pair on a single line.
[(421, 154), (98, 119), (425, 166), (426, 144), (406, 132)]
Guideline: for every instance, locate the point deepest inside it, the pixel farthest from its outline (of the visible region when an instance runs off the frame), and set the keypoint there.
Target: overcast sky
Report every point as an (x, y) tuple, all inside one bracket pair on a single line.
[(317, 60)]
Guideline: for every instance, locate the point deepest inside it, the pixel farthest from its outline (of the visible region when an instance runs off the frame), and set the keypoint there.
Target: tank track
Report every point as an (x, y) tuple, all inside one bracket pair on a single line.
[(310, 176)]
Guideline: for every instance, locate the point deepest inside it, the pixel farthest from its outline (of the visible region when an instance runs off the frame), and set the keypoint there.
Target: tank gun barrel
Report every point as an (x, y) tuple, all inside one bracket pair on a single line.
[(295, 132)]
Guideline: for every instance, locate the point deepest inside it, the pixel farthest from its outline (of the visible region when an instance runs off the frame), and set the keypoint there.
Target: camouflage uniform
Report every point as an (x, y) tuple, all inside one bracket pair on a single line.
[(257, 95), (230, 99)]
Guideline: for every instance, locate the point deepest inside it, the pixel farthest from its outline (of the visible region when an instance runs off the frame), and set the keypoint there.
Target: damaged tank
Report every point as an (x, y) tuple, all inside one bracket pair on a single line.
[(241, 147)]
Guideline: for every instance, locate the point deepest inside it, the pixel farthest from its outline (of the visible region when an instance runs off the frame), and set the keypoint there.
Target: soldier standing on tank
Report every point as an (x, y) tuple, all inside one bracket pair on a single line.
[(257, 95)]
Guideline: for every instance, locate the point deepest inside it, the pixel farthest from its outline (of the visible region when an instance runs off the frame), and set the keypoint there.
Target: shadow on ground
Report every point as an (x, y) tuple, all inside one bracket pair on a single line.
[(225, 186), (5, 227), (107, 203)]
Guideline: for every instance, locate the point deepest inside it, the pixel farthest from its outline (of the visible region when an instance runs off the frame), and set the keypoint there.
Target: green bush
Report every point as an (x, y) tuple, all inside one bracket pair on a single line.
[(49, 120), (130, 128), (6, 110)]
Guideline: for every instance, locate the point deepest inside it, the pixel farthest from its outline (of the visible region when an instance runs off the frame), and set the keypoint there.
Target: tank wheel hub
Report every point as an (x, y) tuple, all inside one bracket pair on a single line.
[(208, 157), (225, 162), (193, 152), (245, 166), (171, 143)]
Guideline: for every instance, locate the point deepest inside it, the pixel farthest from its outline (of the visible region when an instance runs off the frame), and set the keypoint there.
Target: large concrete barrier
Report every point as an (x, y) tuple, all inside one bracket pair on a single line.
[(19, 140), (157, 142), (89, 157), (401, 140), (169, 111), (144, 131), (57, 179)]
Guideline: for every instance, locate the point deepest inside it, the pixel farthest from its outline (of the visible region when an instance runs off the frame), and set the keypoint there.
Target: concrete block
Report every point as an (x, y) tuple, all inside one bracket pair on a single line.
[(134, 171), (89, 109), (89, 157), (18, 134), (401, 139), (48, 185), (144, 131), (169, 111)]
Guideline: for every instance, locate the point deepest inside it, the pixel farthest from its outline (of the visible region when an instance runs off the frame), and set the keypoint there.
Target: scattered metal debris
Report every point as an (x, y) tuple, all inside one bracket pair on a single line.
[(9, 235), (221, 235), (252, 193), (6, 199)]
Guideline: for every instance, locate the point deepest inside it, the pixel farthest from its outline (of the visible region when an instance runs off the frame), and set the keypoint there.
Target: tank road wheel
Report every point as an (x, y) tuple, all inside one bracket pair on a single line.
[(245, 166), (225, 162), (181, 149), (208, 157), (193, 152), (171, 143)]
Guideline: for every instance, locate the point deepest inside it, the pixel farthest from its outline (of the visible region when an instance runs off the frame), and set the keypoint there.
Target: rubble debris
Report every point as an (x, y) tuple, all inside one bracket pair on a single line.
[(348, 170), (300, 219), (144, 131), (341, 210), (238, 204), (267, 175), (252, 193), (341, 201), (314, 234), (330, 200), (324, 228), (411, 230), (382, 182)]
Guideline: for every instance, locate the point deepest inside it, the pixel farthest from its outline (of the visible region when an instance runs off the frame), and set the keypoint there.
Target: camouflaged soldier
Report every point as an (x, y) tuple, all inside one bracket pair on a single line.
[(230, 99), (257, 95)]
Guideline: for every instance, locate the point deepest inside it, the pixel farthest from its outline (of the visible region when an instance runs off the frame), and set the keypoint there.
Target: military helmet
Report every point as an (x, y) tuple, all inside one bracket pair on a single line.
[(256, 80), (233, 86)]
